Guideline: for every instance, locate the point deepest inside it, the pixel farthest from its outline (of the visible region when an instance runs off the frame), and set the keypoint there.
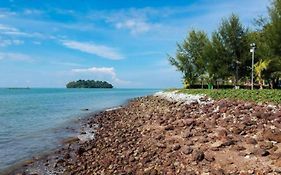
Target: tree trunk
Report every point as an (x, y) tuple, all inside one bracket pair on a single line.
[(261, 84)]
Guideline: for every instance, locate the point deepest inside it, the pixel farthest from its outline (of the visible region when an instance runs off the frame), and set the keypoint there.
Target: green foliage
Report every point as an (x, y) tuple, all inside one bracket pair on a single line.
[(190, 59), (225, 56), (264, 95), (231, 47), (273, 28), (259, 67), (88, 84)]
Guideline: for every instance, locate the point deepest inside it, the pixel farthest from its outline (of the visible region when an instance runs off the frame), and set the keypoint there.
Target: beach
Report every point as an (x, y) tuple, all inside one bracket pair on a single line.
[(163, 135)]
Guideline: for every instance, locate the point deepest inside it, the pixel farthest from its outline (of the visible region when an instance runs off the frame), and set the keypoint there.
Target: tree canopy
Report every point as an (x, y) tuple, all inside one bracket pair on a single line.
[(88, 84), (225, 56)]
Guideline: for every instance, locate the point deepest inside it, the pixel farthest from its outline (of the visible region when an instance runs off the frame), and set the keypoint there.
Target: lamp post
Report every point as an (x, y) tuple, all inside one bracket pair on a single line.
[(253, 45)]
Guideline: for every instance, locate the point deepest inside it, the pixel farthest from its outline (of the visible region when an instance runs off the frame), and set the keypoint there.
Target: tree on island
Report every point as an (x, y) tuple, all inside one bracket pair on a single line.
[(89, 84)]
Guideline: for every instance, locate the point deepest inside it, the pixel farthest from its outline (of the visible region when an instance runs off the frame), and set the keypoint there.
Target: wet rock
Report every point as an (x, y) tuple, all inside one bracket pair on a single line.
[(66, 156), (83, 132), (80, 150), (70, 140)]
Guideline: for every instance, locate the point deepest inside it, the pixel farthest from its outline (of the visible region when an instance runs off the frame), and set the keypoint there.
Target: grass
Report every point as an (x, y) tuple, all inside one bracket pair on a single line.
[(266, 95)]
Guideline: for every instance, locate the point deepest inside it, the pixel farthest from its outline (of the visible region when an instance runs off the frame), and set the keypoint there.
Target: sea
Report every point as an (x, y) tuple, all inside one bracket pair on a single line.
[(36, 120)]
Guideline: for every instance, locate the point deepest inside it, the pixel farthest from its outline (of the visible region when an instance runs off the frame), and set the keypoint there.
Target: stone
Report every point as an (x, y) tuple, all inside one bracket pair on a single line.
[(251, 141), (169, 128), (189, 122), (198, 156), (80, 150), (221, 133), (176, 147), (209, 158), (187, 150), (272, 136), (161, 145)]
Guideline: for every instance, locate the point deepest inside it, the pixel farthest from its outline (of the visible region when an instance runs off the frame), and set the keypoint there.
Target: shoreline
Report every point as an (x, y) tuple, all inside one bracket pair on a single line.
[(75, 126), (154, 135)]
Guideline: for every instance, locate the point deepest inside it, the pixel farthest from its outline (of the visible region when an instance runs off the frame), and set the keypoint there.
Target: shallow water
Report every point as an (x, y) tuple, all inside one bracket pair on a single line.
[(34, 120)]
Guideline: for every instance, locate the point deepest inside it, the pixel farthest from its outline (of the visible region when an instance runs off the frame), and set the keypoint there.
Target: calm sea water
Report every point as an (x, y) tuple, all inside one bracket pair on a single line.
[(34, 120)]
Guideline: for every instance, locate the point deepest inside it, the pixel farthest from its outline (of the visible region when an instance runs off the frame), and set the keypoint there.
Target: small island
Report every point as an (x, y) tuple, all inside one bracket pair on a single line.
[(88, 84)]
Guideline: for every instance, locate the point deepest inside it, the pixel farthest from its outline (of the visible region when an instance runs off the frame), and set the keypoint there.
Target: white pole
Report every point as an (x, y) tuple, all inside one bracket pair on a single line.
[(253, 60)]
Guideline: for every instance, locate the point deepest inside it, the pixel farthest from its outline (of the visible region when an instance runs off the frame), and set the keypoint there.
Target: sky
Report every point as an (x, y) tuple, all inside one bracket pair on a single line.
[(125, 42)]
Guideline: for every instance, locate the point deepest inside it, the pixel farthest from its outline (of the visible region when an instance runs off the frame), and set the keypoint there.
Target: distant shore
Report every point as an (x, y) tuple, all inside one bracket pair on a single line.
[(164, 135)]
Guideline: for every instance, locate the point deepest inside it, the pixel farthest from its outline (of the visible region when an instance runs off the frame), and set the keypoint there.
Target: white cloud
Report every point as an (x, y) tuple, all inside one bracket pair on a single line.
[(109, 71), (99, 50), (98, 70), (14, 56), (36, 42), (134, 25), (32, 12), (15, 32), (8, 30), (8, 42)]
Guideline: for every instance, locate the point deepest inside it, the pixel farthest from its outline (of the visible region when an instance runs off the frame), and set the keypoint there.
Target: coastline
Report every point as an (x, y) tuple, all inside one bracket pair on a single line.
[(154, 135)]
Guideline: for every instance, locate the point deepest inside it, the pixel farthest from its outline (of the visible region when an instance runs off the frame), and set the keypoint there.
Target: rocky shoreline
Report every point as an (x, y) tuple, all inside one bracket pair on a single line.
[(163, 135)]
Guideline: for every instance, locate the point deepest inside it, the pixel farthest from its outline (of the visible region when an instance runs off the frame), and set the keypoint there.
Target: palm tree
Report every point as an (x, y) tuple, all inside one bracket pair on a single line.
[(259, 67)]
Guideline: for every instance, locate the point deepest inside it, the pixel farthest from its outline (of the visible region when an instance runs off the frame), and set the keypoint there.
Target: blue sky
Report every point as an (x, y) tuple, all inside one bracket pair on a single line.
[(126, 42)]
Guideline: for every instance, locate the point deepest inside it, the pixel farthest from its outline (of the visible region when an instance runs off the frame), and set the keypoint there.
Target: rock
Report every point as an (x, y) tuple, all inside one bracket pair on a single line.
[(187, 134), (221, 133), (169, 127), (161, 145), (160, 137), (176, 147), (251, 141), (190, 172), (67, 156), (189, 122), (264, 153), (209, 158), (150, 171), (187, 150), (261, 152), (272, 136), (266, 145), (83, 132), (228, 143), (217, 144), (132, 159), (238, 148), (198, 156), (217, 172), (80, 150), (70, 140)]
